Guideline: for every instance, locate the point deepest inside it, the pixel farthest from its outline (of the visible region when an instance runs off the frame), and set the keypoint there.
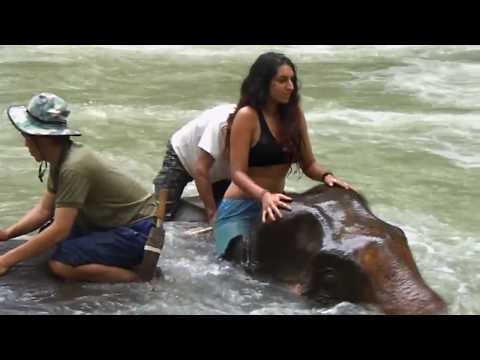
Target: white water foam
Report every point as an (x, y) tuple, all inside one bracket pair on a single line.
[(300, 53), (452, 136)]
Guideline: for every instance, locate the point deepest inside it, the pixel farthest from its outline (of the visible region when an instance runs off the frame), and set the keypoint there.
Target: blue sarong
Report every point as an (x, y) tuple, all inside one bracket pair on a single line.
[(121, 246), (235, 217)]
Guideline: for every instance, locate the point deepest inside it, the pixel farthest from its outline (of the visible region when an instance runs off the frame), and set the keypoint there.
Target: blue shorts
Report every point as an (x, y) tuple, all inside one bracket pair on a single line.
[(235, 217), (121, 246)]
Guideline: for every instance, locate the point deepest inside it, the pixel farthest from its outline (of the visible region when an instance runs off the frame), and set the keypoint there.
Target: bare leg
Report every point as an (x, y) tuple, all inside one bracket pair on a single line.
[(92, 273)]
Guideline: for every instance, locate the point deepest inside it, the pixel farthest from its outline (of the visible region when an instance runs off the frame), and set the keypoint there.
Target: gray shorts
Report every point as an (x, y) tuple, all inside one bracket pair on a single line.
[(174, 178)]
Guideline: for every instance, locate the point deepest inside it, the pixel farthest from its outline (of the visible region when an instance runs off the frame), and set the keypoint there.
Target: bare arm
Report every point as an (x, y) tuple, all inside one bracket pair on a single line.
[(58, 230), (33, 219), (241, 140), (202, 168), (309, 164)]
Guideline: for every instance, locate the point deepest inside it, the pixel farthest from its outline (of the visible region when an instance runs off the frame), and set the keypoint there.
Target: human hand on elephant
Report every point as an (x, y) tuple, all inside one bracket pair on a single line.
[(331, 181), (271, 205), (4, 267), (211, 217), (4, 236)]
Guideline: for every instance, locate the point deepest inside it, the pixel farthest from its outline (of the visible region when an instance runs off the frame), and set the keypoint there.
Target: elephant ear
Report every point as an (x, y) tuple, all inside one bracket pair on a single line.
[(284, 247)]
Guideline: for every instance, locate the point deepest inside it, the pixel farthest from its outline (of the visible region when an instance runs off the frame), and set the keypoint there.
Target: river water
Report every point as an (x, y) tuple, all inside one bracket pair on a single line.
[(400, 123)]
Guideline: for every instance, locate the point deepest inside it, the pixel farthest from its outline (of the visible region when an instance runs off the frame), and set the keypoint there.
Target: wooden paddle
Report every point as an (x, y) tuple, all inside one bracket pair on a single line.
[(155, 241)]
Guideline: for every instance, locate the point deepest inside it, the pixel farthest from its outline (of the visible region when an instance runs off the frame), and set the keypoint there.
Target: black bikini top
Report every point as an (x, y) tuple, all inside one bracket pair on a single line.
[(267, 151)]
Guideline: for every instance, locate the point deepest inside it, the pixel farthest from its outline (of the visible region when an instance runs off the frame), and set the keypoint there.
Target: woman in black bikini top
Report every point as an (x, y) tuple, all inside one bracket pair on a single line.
[(266, 134)]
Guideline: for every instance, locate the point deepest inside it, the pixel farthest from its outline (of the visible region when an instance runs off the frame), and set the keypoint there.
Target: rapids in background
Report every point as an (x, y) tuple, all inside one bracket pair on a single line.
[(400, 123)]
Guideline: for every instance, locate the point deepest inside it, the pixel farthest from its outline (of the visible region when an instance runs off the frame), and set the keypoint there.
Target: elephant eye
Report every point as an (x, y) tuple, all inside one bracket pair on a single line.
[(336, 277), (328, 275)]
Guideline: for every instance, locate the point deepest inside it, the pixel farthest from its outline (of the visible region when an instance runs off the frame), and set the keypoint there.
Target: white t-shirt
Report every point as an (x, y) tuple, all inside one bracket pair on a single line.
[(207, 132)]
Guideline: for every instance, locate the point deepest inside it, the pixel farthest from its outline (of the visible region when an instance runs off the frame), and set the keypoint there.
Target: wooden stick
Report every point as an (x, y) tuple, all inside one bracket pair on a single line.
[(199, 231), (160, 213)]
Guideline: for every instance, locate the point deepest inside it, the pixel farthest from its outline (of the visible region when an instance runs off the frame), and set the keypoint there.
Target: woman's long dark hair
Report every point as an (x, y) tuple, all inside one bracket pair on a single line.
[(255, 92)]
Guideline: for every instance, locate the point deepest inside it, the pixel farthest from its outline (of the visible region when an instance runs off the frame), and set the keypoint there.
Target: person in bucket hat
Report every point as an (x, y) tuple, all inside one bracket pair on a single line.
[(46, 114), (99, 218)]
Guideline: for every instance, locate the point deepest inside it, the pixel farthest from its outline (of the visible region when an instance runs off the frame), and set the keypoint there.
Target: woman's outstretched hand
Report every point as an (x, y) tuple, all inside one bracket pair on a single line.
[(3, 266), (271, 205), (331, 181), (4, 235)]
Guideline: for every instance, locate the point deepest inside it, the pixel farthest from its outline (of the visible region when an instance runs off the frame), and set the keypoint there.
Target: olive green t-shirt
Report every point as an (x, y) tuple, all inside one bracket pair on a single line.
[(104, 196)]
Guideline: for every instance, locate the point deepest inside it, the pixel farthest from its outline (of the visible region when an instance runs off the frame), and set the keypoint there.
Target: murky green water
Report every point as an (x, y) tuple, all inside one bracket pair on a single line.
[(401, 123)]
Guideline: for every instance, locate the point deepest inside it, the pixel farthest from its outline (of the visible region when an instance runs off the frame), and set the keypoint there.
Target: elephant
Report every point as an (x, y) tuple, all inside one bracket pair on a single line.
[(331, 248)]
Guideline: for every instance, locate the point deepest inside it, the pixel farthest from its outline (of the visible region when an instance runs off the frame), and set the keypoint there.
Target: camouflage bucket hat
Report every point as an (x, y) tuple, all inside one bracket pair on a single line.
[(46, 114)]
